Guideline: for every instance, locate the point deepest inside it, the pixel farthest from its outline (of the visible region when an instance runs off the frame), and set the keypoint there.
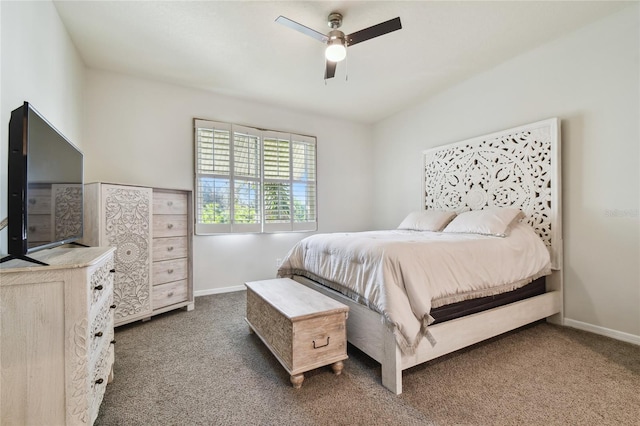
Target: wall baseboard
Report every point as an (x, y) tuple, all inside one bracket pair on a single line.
[(614, 334), (219, 290)]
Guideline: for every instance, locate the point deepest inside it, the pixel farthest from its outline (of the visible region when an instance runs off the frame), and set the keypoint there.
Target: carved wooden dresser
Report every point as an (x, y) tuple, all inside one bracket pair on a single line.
[(151, 229), (56, 324)]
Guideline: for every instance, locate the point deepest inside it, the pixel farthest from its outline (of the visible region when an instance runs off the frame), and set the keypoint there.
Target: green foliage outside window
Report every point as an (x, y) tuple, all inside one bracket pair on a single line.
[(214, 213)]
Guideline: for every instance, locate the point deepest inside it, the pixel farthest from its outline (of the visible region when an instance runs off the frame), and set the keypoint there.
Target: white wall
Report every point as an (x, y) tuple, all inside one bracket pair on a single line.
[(590, 80), (40, 65), (141, 132)]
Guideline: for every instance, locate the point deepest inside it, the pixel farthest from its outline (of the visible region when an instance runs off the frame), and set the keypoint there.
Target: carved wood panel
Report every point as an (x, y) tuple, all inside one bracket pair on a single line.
[(127, 226), (515, 168), (80, 381), (67, 212)]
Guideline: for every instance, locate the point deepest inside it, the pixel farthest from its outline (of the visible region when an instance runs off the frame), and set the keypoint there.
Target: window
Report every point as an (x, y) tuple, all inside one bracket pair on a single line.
[(251, 180)]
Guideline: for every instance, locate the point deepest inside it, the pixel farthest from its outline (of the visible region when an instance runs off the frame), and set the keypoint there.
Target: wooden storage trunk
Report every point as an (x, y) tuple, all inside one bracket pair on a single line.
[(304, 329)]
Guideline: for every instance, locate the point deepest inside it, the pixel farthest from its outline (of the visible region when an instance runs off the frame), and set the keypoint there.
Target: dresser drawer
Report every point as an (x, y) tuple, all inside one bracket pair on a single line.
[(169, 294), (169, 203), (170, 248), (99, 377), (170, 270), (101, 329), (39, 200), (98, 362), (101, 285), (39, 227), (169, 225)]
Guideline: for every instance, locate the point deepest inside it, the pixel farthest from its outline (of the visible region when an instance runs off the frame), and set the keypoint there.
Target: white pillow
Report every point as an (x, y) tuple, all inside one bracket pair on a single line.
[(494, 221), (427, 220)]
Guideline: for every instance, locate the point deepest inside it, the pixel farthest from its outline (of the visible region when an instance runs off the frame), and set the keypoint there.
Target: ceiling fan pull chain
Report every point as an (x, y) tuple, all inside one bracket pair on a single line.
[(346, 68)]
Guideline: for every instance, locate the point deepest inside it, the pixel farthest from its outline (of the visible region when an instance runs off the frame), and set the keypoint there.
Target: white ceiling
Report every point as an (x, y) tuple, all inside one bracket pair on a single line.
[(236, 48)]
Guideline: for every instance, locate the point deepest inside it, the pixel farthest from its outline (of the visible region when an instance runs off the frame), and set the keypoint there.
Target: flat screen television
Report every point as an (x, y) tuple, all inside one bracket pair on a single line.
[(45, 186)]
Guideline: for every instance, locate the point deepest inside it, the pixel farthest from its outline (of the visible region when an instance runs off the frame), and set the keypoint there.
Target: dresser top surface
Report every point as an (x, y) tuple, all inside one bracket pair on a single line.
[(58, 258)]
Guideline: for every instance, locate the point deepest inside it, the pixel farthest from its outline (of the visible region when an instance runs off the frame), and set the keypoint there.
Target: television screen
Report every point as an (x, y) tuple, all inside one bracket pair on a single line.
[(45, 185)]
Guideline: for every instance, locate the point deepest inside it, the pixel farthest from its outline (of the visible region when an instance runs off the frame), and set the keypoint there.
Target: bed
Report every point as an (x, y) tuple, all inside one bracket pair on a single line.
[(515, 170)]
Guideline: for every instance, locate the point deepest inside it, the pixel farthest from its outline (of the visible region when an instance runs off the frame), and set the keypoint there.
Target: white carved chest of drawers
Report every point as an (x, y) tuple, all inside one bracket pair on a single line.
[(56, 324), (151, 229)]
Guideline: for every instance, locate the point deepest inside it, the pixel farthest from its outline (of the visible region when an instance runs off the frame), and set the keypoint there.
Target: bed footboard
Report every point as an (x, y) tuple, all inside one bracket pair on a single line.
[(367, 331)]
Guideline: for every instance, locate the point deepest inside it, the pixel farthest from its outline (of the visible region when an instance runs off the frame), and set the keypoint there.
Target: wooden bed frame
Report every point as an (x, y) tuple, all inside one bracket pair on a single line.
[(518, 167)]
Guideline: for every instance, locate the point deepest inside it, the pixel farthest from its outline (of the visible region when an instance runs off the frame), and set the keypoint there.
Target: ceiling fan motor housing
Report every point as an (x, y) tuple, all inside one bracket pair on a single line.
[(336, 35), (335, 20)]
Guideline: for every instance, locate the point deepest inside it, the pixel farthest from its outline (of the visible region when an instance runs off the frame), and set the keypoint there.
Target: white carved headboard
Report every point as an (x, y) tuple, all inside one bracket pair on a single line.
[(518, 167)]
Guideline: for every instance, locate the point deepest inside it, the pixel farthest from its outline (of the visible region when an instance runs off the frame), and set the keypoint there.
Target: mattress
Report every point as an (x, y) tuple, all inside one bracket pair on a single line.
[(472, 306)]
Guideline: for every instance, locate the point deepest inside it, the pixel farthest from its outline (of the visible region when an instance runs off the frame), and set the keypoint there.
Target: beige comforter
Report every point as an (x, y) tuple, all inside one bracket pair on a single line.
[(403, 274)]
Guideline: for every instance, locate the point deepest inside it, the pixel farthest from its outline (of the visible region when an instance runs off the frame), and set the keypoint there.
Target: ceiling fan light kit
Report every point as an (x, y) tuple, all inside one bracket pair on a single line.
[(336, 49), (336, 41)]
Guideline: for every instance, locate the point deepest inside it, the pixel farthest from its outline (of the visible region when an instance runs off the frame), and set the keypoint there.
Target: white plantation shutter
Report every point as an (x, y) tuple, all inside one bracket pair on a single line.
[(213, 177), (277, 182), (246, 210), (250, 180), (303, 166)]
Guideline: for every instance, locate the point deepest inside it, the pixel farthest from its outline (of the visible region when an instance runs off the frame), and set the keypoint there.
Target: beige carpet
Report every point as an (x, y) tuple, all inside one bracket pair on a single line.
[(204, 368)]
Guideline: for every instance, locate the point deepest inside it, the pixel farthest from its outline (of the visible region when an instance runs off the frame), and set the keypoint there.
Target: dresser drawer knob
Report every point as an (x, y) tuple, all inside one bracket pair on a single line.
[(98, 287), (98, 334), (32, 201), (170, 271), (99, 381), (170, 294), (112, 306), (170, 248), (113, 271), (170, 225), (113, 342), (320, 346), (169, 203)]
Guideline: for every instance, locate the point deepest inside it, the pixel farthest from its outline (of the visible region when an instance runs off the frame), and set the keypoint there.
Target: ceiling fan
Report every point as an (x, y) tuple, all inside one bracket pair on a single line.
[(336, 41)]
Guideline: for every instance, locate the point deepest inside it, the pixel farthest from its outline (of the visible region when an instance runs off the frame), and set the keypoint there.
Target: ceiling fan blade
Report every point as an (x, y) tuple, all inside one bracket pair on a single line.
[(374, 31), (330, 71), (301, 28)]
